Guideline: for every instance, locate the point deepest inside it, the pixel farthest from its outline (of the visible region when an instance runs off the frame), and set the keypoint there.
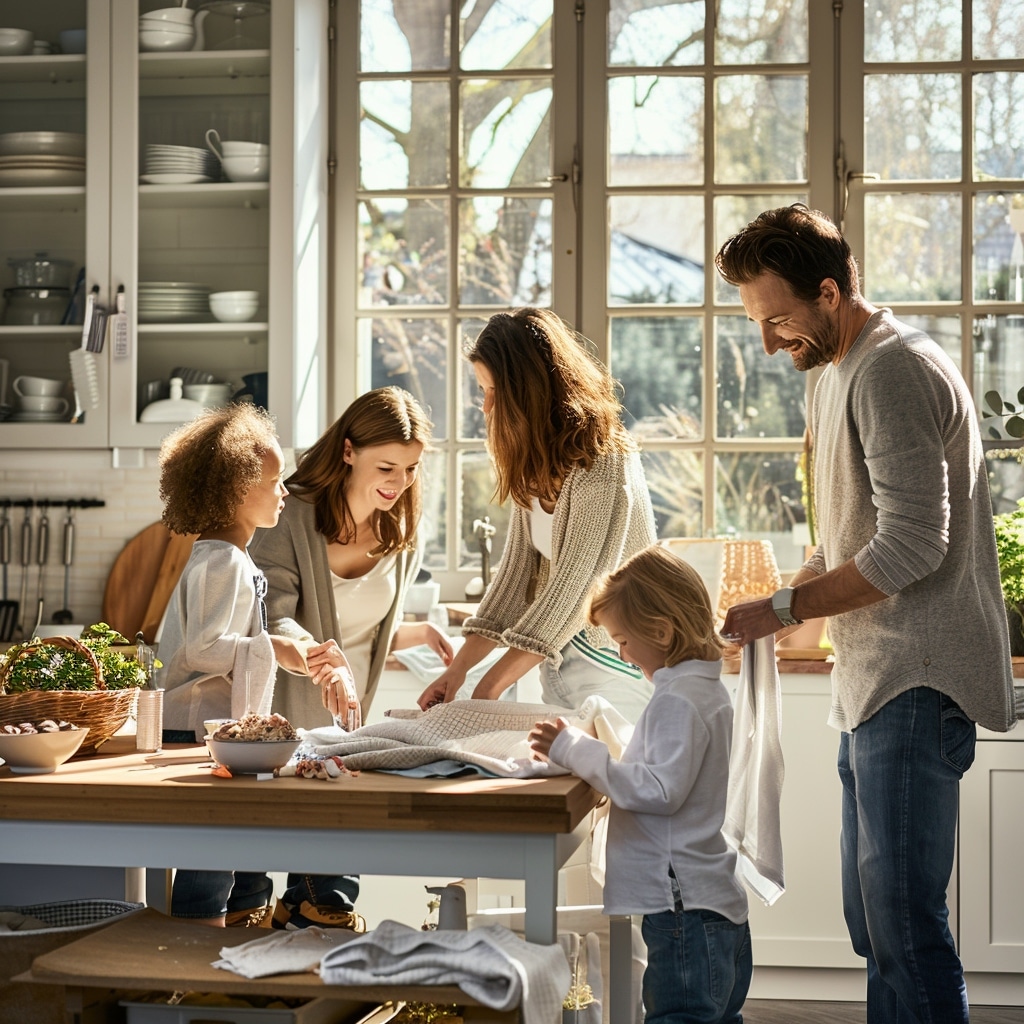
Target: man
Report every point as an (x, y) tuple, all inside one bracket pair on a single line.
[(907, 573)]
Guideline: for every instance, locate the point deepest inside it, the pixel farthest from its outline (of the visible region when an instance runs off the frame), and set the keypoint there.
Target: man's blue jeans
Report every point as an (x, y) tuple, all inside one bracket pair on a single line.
[(699, 967), (205, 894), (901, 773)]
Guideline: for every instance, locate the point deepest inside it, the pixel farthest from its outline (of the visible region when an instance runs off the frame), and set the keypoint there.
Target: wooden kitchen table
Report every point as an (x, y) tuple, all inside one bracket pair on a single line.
[(167, 810)]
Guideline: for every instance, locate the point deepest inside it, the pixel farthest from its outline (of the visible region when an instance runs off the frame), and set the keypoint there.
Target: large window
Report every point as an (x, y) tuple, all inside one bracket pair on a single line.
[(592, 157)]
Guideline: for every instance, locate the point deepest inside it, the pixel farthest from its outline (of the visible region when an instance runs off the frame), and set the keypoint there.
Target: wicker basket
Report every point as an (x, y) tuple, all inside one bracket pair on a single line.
[(102, 711)]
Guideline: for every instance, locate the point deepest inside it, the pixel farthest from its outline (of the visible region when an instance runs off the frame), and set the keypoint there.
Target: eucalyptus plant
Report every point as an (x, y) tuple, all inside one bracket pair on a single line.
[(1012, 413)]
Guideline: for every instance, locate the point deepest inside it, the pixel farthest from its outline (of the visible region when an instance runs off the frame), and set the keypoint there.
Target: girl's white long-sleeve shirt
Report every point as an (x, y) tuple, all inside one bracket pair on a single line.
[(213, 638), (668, 795)]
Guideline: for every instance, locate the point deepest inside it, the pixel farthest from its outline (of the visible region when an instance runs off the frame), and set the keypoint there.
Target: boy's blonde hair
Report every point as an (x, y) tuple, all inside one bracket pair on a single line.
[(656, 590)]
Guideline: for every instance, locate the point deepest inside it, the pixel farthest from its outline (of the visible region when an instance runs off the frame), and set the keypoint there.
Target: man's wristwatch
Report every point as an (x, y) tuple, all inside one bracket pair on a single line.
[(781, 601)]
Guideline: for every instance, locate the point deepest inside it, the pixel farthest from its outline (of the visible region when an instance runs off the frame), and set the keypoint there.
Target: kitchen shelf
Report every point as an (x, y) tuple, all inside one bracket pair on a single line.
[(253, 195), (64, 67), (205, 64), (205, 328), (40, 331), (55, 199)]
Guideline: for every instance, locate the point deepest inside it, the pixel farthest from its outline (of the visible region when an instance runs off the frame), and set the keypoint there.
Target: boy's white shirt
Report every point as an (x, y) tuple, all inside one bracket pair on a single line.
[(667, 791)]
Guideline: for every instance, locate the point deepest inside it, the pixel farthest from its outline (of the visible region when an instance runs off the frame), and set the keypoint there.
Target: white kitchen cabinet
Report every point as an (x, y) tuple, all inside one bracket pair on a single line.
[(269, 237), (991, 840)]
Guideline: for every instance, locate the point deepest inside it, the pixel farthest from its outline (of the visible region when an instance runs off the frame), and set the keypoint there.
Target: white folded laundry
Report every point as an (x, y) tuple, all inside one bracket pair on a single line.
[(284, 952), (490, 964)]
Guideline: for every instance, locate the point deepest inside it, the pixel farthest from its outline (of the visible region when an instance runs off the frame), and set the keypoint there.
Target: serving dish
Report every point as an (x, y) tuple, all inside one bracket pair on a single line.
[(39, 753), (251, 757)]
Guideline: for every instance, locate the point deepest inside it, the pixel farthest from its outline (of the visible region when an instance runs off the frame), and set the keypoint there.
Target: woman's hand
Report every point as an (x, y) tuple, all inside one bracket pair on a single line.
[(291, 654), (442, 689), (412, 634), (542, 735), (330, 670)]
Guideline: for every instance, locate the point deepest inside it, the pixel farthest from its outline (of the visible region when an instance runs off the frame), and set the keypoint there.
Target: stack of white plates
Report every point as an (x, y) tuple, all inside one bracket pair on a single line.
[(173, 302), (178, 165), (36, 159)]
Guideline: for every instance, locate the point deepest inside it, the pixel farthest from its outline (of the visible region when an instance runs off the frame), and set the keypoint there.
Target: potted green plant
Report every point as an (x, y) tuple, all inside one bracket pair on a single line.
[(1010, 546), (1011, 414)]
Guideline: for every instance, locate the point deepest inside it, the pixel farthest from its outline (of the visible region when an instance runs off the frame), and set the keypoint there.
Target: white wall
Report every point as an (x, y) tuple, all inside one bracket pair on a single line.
[(132, 503)]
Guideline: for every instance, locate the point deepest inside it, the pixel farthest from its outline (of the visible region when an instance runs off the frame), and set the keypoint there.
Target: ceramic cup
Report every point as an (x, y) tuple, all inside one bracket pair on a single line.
[(43, 404), (246, 168), (37, 387)]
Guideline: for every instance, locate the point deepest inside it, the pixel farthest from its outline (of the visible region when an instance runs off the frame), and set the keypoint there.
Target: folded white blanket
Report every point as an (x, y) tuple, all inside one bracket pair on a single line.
[(489, 964), (489, 733), (285, 952)]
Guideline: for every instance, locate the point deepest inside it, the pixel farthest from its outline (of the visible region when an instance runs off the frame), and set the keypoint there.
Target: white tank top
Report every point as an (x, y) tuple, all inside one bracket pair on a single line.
[(363, 603), (540, 528)]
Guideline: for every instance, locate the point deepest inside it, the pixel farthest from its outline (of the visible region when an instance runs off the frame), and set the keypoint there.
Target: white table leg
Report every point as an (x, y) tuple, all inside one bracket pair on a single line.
[(620, 970), (540, 871)]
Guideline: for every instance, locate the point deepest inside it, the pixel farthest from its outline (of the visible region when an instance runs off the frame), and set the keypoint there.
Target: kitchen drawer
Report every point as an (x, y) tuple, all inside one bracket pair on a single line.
[(315, 1011)]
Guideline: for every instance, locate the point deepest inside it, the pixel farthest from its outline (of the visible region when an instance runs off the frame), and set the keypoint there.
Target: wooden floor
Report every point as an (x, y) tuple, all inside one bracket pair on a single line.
[(778, 1011)]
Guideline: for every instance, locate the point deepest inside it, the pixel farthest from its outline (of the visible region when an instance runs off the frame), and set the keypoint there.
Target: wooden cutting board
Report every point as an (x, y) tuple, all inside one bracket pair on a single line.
[(142, 579)]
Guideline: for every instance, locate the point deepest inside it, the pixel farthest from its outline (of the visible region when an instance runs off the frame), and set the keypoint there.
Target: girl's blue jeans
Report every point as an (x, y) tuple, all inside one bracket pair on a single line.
[(206, 894), (699, 966), (901, 773)]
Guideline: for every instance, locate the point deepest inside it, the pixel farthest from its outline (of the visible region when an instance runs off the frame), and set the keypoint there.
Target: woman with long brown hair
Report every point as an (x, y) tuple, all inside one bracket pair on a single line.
[(580, 506)]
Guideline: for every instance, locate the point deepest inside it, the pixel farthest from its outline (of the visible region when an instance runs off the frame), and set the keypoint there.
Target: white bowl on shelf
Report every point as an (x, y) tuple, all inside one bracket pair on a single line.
[(234, 307), (255, 167), (38, 753), (165, 39), (16, 42)]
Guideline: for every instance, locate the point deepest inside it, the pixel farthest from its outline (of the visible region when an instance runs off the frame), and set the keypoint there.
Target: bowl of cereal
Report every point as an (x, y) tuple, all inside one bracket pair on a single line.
[(253, 744), (38, 748)]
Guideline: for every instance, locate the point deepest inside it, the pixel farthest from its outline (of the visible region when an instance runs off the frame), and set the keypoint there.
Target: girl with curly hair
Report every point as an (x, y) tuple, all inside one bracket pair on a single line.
[(580, 505), (221, 478)]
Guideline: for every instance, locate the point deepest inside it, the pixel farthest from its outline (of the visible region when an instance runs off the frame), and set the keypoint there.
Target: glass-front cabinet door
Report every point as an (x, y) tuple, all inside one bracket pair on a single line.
[(54, 214), (218, 114)]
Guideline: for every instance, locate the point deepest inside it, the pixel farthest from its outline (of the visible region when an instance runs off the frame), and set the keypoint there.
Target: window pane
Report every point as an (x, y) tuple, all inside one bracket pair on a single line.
[(477, 487), (656, 131), (912, 248), (412, 354), (943, 330), (505, 251), (655, 34), (506, 34), (658, 361), (998, 247), (433, 531), (472, 425), (676, 482), (912, 126), (999, 125), (506, 132), (761, 125), (760, 495), (895, 30), (732, 214), (656, 252), (998, 366), (401, 40), (761, 32), (403, 134), (757, 396), (403, 252), (998, 28)]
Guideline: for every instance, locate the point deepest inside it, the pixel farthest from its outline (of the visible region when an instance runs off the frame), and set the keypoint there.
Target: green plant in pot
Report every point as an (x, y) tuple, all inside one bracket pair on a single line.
[(1010, 546)]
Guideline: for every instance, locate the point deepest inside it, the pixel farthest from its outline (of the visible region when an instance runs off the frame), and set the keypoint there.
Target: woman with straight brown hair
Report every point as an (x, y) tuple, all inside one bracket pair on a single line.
[(580, 506)]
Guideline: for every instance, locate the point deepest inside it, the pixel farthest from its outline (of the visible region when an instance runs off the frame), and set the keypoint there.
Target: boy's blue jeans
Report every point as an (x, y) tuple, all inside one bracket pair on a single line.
[(699, 966), (206, 894), (901, 773)]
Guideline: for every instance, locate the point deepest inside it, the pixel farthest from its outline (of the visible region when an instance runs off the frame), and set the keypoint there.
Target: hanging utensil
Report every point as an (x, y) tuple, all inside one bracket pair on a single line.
[(8, 608), (42, 557), (25, 556), (65, 615)]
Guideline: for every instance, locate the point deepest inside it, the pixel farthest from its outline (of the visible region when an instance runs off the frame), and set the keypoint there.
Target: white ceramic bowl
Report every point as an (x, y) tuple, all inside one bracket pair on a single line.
[(38, 753), (72, 40), (173, 15), (245, 149), (246, 168), (251, 757), (165, 39), (234, 307), (211, 395), (16, 42)]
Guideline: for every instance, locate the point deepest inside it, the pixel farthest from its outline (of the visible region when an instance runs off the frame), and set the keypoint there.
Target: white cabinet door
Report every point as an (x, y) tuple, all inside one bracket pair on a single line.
[(805, 927), (48, 206), (193, 237), (991, 841)]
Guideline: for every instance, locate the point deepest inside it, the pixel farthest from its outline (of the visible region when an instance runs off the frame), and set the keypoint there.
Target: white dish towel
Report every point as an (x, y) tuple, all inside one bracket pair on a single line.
[(490, 964), (756, 772)]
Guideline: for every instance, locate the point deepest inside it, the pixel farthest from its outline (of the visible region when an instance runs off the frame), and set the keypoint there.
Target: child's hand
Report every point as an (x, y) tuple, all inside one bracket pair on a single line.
[(542, 735)]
